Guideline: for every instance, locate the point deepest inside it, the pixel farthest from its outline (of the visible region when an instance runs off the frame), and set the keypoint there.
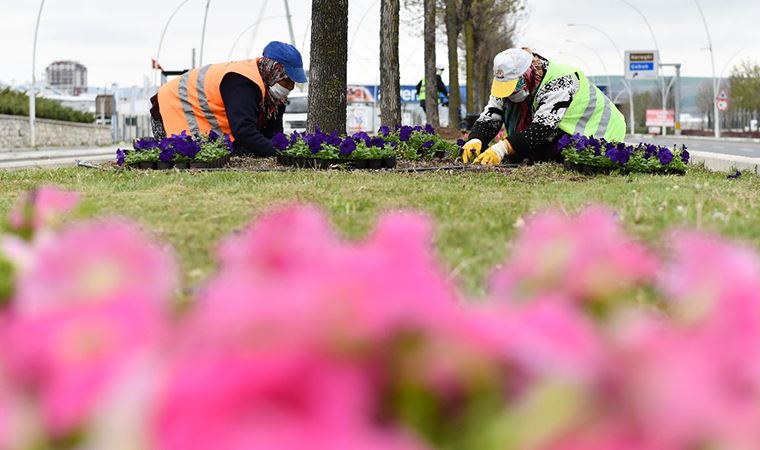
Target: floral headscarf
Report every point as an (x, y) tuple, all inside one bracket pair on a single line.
[(532, 78), (271, 72)]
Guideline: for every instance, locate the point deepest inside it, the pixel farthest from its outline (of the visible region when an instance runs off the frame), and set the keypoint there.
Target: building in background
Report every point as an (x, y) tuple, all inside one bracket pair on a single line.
[(68, 76)]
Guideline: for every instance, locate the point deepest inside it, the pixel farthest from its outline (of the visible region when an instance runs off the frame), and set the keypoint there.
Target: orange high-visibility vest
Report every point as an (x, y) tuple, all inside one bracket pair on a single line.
[(193, 102)]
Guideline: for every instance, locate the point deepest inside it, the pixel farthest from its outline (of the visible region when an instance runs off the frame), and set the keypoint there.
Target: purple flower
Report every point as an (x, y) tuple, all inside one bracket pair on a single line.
[(611, 152), (428, 144), (685, 156), (651, 150), (394, 144), (166, 154), (596, 145), (581, 142), (564, 142), (146, 143), (213, 135), (460, 142), (734, 176), (418, 128), (280, 141), (429, 129), (228, 142), (665, 156), (362, 136), (347, 147), (314, 142), (378, 142), (385, 130), (405, 133), (294, 137), (624, 153), (121, 155), (333, 139)]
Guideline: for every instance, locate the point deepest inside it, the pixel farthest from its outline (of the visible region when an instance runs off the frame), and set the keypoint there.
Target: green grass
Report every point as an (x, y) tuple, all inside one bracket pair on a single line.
[(475, 213)]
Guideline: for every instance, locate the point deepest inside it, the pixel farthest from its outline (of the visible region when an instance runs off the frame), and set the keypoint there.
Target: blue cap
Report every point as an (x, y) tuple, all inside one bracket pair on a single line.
[(289, 57)]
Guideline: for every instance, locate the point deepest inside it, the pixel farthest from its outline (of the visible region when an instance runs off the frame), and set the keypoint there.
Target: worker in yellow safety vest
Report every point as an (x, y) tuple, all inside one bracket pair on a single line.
[(538, 101), (243, 99), (441, 87)]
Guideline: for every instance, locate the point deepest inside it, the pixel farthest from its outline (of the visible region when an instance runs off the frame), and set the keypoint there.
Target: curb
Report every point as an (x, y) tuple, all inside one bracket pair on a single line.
[(694, 138), (725, 163)]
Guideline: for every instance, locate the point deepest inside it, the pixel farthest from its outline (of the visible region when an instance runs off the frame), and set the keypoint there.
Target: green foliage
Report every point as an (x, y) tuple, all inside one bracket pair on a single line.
[(134, 157), (17, 104), (745, 86), (212, 151)]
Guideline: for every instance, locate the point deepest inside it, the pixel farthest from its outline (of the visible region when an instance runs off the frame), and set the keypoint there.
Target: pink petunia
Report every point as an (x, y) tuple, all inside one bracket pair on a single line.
[(587, 258), (41, 207), (93, 263)]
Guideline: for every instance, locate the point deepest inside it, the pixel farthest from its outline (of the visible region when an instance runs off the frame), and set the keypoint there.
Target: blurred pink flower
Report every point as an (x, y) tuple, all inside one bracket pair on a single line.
[(587, 258), (67, 359), (41, 207), (92, 298), (269, 400), (320, 292), (93, 263)]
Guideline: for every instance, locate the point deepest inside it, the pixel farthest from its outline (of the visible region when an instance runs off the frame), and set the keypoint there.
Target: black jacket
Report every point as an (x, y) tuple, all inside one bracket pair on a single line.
[(252, 131), (441, 87)]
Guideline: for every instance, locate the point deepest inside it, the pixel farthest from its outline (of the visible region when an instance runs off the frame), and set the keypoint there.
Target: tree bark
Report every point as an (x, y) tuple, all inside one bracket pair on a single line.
[(469, 39), (452, 35), (329, 59), (431, 83), (390, 84)]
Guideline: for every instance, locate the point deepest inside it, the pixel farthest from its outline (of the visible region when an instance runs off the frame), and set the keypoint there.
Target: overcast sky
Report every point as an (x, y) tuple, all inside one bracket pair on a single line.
[(116, 39)]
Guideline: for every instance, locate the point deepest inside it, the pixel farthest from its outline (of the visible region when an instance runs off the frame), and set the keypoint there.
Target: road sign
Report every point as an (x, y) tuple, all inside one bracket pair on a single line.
[(661, 118), (722, 105), (642, 65), (722, 95)]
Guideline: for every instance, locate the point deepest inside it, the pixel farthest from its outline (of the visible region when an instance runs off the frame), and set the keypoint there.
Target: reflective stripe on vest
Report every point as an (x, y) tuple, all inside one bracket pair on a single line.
[(590, 113), (193, 102), (422, 95)]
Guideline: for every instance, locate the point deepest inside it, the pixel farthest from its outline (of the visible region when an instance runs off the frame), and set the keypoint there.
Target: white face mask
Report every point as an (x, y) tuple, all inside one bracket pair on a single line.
[(279, 92), (519, 96)]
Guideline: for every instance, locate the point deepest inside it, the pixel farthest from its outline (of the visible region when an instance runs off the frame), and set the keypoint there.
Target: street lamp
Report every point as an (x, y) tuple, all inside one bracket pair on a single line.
[(32, 92), (601, 60), (242, 33), (656, 47), (626, 84), (716, 111), (203, 33), (161, 41)]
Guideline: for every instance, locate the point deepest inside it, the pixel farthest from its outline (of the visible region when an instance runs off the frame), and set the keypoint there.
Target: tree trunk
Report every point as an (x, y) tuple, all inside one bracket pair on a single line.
[(431, 80), (329, 59), (469, 38), (452, 34), (390, 85)]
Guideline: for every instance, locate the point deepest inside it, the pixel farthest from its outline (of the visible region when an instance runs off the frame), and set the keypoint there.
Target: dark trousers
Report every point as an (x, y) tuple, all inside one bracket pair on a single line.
[(542, 153)]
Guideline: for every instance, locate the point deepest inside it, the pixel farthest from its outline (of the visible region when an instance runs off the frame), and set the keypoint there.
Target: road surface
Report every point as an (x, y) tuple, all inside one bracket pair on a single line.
[(745, 148)]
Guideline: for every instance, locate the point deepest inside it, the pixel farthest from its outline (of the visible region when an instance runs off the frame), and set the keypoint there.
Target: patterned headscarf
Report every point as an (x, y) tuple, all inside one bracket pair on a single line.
[(532, 78), (271, 72)]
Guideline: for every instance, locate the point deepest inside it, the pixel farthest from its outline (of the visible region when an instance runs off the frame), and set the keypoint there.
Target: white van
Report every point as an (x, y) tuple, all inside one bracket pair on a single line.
[(294, 118)]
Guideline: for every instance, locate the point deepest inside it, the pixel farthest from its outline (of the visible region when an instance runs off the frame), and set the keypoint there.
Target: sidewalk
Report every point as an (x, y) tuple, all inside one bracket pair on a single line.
[(643, 137), (54, 157)]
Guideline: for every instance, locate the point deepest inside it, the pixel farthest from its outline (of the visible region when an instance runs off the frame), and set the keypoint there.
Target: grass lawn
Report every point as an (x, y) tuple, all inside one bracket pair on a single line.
[(476, 214)]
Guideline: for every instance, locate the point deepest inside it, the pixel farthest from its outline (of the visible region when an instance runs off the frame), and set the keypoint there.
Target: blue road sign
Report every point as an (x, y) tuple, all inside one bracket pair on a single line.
[(642, 66)]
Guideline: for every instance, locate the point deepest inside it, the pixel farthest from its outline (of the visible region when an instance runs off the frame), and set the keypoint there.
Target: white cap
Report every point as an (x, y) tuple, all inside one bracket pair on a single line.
[(508, 67)]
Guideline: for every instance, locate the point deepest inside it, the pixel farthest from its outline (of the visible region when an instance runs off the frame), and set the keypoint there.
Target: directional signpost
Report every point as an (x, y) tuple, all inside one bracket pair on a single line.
[(642, 65)]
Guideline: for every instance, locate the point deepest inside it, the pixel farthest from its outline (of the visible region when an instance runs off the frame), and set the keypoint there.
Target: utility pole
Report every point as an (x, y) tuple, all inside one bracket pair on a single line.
[(32, 92), (290, 24), (203, 34)]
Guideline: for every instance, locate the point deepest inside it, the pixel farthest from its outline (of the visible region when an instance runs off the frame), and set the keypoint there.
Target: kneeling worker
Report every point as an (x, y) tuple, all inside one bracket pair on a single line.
[(244, 99), (538, 101)]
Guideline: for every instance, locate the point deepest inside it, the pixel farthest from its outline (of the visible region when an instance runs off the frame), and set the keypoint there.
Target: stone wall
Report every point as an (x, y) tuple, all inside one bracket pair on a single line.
[(14, 133)]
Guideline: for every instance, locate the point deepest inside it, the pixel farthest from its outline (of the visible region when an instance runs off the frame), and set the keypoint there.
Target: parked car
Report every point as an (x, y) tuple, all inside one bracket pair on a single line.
[(294, 118)]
